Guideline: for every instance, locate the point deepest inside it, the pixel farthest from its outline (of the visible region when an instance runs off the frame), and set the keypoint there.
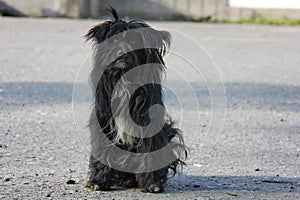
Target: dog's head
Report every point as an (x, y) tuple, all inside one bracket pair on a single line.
[(133, 43)]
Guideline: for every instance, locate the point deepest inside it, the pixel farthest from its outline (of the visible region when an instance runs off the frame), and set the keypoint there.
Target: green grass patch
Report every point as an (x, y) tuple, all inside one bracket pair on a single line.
[(257, 20), (232, 194), (88, 187), (264, 21)]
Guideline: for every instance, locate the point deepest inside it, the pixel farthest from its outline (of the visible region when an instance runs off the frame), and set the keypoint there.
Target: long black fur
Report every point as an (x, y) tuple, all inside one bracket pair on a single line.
[(104, 78)]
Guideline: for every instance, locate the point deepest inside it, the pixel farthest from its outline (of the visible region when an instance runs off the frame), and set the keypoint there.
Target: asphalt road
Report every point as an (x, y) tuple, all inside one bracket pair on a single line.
[(256, 154)]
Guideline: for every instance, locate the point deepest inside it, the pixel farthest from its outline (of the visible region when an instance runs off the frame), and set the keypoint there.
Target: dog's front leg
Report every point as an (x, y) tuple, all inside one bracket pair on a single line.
[(153, 181), (100, 176)]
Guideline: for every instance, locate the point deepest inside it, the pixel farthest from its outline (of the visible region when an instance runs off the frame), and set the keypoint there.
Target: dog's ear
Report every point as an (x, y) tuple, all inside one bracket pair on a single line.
[(152, 38), (98, 32), (164, 42), (160, 40)]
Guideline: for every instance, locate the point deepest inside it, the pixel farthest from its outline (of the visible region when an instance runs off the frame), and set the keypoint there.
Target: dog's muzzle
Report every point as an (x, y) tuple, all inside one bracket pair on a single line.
[(124, 59)]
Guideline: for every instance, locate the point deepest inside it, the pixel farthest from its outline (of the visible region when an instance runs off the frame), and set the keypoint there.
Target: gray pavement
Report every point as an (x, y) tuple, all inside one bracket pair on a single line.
[(255, 156)]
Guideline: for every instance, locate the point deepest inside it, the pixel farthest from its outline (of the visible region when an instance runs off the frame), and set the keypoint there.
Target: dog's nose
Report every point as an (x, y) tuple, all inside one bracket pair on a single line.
[(122, 53)]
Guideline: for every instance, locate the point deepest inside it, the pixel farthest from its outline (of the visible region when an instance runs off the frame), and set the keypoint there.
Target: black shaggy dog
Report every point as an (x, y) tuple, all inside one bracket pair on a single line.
[(133, 140)]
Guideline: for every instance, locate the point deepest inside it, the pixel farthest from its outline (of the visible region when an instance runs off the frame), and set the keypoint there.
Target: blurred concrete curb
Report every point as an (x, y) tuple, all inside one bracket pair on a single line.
[(146, 9), (40, 8)]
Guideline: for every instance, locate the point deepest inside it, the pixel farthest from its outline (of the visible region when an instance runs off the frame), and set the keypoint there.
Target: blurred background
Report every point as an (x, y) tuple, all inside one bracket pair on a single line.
[(199, 10)]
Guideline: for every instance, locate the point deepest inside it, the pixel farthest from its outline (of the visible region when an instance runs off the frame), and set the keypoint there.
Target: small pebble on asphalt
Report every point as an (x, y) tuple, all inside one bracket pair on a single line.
[(3, 146), (231, 194), (70, 182), (48, 194), (71, 170), (6, 179)]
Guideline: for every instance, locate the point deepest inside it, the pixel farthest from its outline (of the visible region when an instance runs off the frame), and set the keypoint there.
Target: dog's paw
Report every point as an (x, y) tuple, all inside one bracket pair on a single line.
[(153, 188), (97, 187), (129, 184)]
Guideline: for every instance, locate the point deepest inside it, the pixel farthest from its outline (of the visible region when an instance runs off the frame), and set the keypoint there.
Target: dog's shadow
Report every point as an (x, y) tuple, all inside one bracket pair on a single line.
[(244, 95), (188, 183), (180, 183), (238, 95), (37, 93)]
